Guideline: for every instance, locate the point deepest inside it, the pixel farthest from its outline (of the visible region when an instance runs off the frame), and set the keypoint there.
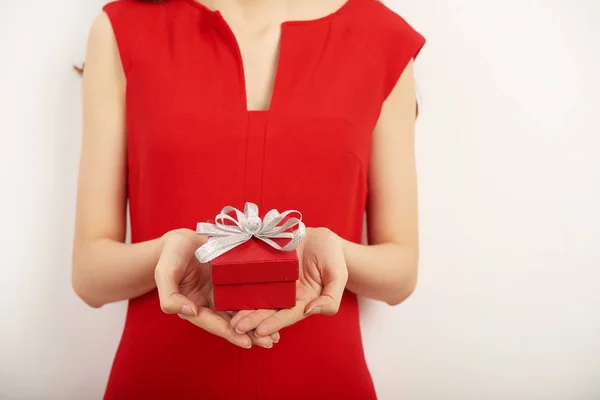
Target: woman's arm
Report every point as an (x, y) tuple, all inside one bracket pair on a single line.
[(105, 269), (386, 269)]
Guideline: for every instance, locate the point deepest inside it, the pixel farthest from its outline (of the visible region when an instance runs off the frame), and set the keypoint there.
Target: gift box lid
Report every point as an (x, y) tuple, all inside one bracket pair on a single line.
[(254, 261)]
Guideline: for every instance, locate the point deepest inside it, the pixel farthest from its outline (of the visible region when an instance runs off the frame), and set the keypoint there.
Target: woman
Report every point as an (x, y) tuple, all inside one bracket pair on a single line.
[(291, 104)]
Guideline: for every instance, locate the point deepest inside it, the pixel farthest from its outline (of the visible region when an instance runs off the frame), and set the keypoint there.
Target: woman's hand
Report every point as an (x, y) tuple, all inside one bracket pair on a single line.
[(319, 290), (185, 289)]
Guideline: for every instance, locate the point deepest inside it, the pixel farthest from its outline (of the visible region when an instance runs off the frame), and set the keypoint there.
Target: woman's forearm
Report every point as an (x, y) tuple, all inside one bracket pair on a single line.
[(107, 271), (386, 272)]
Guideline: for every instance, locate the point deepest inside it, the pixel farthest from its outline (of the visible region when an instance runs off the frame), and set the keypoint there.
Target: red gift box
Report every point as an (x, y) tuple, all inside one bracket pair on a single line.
[(254, 275)]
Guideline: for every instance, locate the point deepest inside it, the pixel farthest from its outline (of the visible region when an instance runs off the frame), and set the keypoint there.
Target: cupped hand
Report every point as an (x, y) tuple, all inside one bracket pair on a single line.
[(184, 288), (319, 290)]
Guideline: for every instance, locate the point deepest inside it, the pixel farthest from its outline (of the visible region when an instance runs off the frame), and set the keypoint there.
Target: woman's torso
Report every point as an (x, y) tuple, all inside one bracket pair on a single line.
[(193, 148)]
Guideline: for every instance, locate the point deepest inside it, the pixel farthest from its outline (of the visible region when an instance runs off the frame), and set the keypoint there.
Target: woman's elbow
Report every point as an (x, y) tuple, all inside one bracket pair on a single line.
[(404, 287), (85, 294), (82, 287)]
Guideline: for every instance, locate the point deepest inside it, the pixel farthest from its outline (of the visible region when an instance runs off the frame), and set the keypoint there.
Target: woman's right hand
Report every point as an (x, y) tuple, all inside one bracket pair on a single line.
[(185, 289)]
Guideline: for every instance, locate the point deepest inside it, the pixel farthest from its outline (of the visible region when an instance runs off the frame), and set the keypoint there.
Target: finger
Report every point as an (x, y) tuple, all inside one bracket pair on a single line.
[(208, 320), (266, 342), (238, 317), (250, 321), (335, 277), (226, 315), (263, 341), (280, 320), (174, 258), (276, 337)]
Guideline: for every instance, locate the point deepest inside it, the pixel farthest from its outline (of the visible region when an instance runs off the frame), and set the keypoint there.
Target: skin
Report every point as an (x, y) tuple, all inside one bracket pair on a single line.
[(107, 270)]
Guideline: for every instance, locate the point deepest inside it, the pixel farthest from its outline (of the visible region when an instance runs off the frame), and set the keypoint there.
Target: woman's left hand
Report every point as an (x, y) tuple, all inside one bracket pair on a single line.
[(319, 290)]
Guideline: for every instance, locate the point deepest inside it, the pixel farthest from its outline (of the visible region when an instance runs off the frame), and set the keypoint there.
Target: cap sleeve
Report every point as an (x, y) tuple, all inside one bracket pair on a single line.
[(403, 44)]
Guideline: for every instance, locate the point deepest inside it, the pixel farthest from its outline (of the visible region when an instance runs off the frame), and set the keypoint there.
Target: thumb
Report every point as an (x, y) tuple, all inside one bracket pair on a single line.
[(322, 305), (174, 259), (179, 304), (334, 278)]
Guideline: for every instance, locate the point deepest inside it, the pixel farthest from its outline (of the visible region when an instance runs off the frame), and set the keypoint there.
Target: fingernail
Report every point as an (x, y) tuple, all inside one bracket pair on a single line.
[(247, 347), (187, 310), (254, 332), (237, 331), (276, 341), (268, 347), (314, 310)]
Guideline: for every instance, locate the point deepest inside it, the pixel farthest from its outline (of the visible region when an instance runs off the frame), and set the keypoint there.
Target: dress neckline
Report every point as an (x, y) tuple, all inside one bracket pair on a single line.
[(280, 71), (326, 18)]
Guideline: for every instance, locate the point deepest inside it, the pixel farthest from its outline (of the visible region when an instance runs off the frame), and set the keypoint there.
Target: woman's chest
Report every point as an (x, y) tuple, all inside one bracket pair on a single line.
[(316, 90), (187, 115)]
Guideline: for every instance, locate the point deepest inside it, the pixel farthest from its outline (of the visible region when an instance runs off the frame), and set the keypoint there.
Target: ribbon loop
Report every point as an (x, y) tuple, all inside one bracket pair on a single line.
[(224, 236)]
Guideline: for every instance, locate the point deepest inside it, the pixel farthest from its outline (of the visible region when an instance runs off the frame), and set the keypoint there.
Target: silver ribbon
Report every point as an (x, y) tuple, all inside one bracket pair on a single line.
[(224, 237)]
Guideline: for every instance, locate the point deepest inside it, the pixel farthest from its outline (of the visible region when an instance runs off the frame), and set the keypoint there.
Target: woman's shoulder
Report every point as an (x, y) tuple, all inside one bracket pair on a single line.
[(133, 20), (136, 14), (386, 36), (376, 23), (139, 8)]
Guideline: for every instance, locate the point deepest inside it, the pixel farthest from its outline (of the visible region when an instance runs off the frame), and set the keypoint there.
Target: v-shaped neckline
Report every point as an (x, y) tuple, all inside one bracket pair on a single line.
[(273, 97), (326, 18)]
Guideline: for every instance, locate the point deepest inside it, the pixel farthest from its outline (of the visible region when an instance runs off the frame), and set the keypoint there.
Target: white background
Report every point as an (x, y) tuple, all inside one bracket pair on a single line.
[(508, 305)]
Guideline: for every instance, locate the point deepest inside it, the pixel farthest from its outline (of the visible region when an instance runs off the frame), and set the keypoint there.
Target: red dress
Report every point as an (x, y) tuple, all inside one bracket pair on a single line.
[(193, 148)]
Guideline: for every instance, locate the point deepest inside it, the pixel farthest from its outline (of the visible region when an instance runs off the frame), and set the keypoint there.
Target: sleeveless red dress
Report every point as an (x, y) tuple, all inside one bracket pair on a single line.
[(193, 148)]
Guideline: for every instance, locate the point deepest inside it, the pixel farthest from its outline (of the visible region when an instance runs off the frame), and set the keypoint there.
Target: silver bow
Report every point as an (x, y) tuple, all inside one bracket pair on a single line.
[(224, 237)]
